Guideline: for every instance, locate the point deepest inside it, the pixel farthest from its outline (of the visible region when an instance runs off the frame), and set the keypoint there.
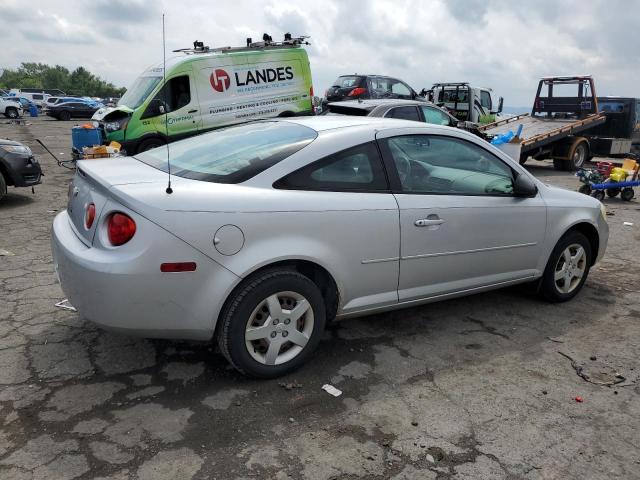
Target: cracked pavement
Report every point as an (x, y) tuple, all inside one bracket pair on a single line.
[(472, 388)]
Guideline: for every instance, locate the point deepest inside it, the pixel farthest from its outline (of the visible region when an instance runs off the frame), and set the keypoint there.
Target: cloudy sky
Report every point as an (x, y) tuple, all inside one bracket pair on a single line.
[(503, 44)]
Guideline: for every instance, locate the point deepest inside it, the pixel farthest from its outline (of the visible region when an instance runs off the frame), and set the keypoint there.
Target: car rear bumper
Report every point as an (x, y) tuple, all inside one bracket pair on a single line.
[(129, 294)]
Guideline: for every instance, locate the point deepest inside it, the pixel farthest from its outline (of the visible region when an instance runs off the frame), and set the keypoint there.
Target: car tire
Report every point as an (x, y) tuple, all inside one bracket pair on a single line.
[(253, 341), (3, 186), (64, 115), (150, 143), (11, 112), (567, 269)]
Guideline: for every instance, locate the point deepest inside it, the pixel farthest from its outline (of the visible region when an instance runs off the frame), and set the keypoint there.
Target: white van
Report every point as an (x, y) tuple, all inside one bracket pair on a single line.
[(211, 88)]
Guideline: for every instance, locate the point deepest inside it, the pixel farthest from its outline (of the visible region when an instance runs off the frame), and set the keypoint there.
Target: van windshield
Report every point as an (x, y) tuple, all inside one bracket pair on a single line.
[(138, 92), (233, 154)]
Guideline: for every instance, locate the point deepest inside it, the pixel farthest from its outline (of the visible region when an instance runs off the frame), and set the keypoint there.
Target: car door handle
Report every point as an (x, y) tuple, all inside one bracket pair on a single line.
[(426, 222), (193, 111)]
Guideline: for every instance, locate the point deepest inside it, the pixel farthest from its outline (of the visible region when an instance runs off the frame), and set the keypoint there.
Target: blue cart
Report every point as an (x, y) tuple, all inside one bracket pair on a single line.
[(625, 189)]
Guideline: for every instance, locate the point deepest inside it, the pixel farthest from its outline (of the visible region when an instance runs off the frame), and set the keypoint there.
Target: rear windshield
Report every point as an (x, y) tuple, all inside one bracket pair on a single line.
[(231, 155), (347, 81)]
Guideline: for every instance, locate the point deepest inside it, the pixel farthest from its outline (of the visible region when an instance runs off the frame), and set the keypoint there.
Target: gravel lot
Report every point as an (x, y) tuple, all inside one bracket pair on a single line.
[(473, 388)]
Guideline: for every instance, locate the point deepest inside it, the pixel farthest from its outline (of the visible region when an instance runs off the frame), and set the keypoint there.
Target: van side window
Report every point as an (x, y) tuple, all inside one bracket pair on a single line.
[(175, 94)]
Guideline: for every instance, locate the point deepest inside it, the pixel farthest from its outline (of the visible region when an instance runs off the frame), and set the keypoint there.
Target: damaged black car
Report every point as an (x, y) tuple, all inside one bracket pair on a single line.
[(18, 166)]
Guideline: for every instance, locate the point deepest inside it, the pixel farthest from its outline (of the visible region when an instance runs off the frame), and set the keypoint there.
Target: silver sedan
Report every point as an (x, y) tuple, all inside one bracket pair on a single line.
[(272, 228)]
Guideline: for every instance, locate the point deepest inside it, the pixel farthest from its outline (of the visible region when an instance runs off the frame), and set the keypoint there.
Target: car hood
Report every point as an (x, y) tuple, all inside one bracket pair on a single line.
[(4, 141), (111, 113)]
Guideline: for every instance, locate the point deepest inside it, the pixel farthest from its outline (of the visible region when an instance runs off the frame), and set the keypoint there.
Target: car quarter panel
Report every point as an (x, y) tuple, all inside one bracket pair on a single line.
[(122, 288)]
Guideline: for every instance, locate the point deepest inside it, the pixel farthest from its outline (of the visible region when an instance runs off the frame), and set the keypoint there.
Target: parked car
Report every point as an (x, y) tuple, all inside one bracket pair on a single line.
[(69, 110), (52, 101), (25, 103), (295, 221), (10, 107), (18, 166), (404, 109), (352, 87)]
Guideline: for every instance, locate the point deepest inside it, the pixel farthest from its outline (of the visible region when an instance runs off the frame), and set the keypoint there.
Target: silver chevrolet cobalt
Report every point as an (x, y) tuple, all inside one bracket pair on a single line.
[(275, 227)]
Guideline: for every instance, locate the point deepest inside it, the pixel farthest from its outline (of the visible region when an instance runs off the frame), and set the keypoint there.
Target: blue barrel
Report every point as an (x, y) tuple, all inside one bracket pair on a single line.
[(33, 110), (85, 137)]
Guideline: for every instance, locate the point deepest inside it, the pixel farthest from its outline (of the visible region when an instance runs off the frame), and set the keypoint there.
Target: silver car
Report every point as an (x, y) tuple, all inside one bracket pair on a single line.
[(274, 227)]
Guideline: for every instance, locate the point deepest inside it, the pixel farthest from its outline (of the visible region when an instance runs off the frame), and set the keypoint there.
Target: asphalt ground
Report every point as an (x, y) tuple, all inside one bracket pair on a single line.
[(473, 388)]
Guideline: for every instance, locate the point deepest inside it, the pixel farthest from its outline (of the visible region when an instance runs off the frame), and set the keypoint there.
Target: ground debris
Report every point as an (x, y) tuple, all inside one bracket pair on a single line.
[(604, 376), (289, 385)]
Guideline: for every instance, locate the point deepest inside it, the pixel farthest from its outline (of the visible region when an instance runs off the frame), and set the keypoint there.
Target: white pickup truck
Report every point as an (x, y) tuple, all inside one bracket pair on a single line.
[(466, 102), (10, 108)]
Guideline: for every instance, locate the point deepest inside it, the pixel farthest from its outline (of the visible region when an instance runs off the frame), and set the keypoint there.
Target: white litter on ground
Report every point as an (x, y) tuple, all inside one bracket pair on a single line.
[(331, 390), (5, 253), (628, 224), (65, 305)]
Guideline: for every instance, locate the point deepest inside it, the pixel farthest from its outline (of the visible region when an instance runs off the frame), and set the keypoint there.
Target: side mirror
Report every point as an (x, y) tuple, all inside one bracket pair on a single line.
[(500, 104), (155, 108), (523, 186)]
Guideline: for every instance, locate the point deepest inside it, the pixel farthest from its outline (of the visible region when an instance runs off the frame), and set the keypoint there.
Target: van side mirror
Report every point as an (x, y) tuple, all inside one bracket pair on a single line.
[(523, 186), (500, 104), (156, 107)]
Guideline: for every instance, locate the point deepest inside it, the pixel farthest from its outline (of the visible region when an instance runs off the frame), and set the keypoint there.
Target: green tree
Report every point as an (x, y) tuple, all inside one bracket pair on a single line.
[(40, 75)]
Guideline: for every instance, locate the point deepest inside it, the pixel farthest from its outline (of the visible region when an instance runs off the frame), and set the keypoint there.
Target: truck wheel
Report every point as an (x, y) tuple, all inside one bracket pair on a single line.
[(559, 164), (64, 115), (11, 112), (150, 143), (579, 156), (627, 194), (613, 192), (3, 186)]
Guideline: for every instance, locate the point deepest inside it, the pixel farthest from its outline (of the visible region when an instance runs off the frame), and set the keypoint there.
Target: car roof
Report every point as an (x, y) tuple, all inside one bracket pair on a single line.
[(321, 123), (369, 104)]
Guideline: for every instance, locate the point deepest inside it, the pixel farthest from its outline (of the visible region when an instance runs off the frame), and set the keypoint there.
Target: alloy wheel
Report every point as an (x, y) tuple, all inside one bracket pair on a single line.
[(570, 268), (279, 328)]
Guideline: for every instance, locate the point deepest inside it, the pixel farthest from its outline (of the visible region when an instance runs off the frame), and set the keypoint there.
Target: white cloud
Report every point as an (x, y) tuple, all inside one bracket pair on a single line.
[(499, 43)]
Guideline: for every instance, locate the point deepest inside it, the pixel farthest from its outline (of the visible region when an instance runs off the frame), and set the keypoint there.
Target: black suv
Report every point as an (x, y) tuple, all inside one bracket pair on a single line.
[(353, 87)]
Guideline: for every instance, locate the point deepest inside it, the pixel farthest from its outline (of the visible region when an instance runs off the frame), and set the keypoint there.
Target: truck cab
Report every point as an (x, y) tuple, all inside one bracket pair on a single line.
[(466, 102)]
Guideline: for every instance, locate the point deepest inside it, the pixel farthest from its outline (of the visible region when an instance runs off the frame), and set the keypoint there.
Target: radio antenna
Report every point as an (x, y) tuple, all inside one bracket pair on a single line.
[(169, 190)]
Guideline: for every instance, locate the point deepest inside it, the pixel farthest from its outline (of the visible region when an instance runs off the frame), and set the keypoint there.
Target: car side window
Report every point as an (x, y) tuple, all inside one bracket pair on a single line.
[(485, 99), (379, 87), (400, 89), (355, 169), (435, 116), (447, 165), (406, 113)]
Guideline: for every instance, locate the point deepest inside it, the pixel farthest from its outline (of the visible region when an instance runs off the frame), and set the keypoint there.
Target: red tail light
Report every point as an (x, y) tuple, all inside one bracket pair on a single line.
[(311, 91), (357, 92), (121, 228), (89, 216)]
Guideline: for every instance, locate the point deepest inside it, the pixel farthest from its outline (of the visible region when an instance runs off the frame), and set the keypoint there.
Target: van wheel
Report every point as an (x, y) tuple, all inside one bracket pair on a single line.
[(64, 115), (272, 324), (150, 143), (3, 186), (567, 268), (11, 112)]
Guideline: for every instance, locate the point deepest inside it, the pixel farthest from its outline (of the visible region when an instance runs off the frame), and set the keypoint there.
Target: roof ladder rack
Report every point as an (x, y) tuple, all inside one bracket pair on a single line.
[(267, 43)]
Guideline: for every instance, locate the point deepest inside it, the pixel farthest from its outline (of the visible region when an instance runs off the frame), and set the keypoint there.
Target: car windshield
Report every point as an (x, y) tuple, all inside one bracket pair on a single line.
[(139, 91), (231, 155)]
